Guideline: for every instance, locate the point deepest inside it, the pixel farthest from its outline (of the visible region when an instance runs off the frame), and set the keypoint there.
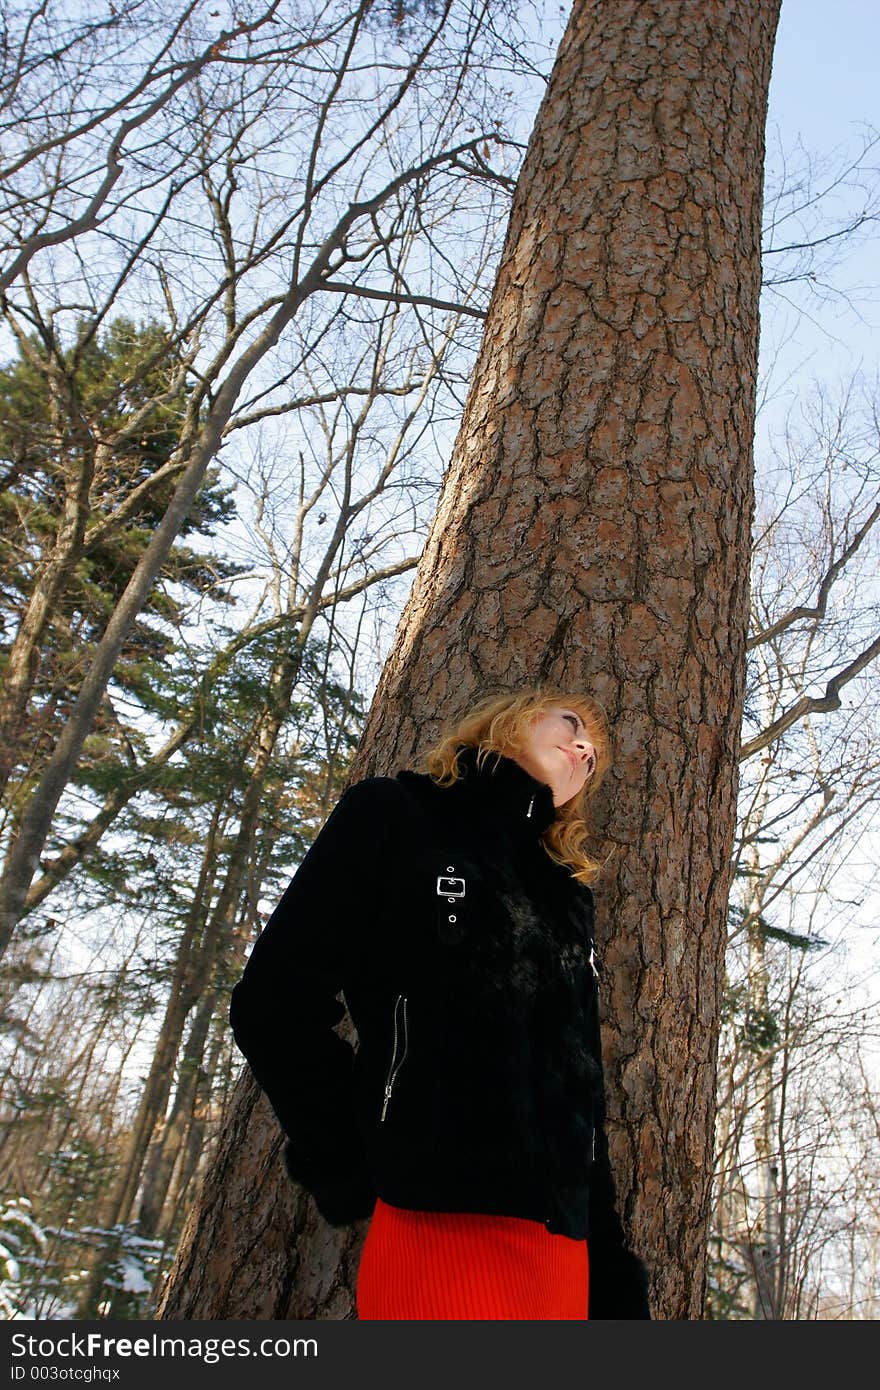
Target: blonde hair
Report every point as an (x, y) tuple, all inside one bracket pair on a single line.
[(499, 723)]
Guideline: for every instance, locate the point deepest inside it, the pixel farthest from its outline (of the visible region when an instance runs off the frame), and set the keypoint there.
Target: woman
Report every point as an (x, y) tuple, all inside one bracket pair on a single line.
[(452, 907)]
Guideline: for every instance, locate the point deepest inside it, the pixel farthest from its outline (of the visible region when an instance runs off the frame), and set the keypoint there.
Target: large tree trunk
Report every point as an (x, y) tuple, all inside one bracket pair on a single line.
[(593, 529)]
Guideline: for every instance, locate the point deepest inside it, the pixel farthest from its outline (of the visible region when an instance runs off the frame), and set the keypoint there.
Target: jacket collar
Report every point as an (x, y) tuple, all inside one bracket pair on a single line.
[(501, 793)]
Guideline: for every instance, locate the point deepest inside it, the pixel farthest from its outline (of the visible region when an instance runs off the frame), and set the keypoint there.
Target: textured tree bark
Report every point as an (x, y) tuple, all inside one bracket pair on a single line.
[(593, 529)]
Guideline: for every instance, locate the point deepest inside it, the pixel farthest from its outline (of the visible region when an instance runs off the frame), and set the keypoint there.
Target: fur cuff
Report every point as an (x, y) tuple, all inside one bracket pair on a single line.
[(341, 1196), (618, 1284)]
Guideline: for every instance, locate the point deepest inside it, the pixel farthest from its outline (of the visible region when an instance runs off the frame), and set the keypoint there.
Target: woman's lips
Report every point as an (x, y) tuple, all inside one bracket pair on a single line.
[(568, 753)]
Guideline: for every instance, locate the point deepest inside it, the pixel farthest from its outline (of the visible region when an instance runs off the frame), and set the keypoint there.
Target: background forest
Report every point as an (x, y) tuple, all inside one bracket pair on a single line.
[(247, 256)]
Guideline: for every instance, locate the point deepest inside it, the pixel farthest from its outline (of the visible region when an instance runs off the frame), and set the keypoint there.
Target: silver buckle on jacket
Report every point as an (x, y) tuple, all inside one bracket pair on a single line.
[(450, 891)]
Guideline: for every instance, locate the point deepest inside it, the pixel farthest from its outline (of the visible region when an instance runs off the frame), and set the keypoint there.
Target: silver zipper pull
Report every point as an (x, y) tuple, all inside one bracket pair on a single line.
[(531, 804), (395, 1066)]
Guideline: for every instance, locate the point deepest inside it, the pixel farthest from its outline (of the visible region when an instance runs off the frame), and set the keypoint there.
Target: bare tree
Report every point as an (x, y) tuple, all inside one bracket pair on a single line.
[(809, 792)]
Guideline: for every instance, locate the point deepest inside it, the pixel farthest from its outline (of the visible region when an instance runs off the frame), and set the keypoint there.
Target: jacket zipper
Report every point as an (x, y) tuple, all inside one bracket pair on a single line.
[(395, 1065), (529, 811), (593, 962)]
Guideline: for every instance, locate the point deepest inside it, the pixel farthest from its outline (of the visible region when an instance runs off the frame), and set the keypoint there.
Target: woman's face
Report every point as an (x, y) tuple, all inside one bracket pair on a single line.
[(558, 751)]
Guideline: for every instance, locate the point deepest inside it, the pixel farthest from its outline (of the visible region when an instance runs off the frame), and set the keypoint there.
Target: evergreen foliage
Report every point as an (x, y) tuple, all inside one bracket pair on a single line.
[(103, 415)]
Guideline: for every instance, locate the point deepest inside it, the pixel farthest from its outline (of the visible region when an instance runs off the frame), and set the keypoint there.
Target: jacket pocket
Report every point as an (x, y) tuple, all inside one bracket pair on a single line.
[(399, 1051)]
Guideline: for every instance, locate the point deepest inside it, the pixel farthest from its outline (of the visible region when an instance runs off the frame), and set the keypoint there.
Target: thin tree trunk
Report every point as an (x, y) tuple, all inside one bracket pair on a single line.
[(157, 1088), (176, 1147), (594, 530), (168, 1141), (765, 1230), (197, 1149), (199, 1141)]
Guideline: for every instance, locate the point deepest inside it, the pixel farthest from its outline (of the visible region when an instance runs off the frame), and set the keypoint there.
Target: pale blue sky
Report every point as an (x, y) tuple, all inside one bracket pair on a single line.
[(825, 67), (824, 89)]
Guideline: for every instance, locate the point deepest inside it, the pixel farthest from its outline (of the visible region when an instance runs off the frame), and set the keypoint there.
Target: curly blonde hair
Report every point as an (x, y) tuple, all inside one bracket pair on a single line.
[(498, 723)]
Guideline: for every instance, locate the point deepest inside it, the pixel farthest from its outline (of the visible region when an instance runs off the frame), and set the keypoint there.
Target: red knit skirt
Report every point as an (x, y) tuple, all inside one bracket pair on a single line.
[(460, 1265)]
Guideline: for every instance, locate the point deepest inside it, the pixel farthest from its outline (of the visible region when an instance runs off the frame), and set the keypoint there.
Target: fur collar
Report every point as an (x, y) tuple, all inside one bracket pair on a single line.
[(498, 794)]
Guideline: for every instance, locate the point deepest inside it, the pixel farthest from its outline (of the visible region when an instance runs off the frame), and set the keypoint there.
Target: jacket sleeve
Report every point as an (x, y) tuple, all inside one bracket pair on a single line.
[(618, 1278), (284, 1008)]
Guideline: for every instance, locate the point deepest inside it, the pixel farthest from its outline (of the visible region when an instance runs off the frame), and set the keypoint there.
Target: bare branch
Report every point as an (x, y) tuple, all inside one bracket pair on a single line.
[(820, 704), (394, 297)]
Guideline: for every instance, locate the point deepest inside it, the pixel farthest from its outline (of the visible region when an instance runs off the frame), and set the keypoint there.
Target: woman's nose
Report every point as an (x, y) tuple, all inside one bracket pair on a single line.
[(586, 752)]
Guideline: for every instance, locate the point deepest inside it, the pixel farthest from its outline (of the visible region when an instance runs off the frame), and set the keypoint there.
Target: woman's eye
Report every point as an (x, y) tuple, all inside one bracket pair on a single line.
[(573, 719)]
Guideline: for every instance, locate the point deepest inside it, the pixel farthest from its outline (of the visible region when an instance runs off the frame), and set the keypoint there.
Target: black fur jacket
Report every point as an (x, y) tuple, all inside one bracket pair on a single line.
[(465, 956)]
